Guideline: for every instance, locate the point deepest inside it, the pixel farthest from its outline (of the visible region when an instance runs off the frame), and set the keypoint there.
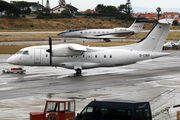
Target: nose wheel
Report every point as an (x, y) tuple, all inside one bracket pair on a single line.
[(78, 72)]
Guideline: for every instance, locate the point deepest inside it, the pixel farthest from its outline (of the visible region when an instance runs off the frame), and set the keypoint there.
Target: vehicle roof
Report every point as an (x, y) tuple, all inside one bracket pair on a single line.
[(60, 100), (120, 101)]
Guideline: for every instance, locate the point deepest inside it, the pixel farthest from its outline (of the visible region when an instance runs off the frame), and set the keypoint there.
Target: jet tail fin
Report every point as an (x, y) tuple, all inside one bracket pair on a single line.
[(155, 39), (138, 25)]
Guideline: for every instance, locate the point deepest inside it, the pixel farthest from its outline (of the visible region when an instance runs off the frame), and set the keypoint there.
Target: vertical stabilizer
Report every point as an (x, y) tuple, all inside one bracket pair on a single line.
[(155, 40), (138, 25)]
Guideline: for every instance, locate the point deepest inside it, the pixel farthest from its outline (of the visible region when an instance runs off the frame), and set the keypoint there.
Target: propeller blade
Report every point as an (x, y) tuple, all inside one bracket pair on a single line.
[(50, 50)]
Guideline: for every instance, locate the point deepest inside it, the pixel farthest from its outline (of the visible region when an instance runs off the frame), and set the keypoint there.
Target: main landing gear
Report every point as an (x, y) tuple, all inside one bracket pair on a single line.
[(78, 72), (107, 40)]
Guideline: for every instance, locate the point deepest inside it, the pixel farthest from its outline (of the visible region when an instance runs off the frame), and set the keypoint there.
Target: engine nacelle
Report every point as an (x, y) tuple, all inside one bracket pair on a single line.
[(64, 51), (123, 30)]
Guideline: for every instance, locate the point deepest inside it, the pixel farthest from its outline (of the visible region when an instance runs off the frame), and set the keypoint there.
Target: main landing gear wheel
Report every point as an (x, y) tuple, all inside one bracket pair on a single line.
[(78, 72), (107, 40)]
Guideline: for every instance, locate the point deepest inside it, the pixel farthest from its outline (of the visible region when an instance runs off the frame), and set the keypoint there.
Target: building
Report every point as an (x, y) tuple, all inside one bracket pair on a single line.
[(152, 16), (90, 11), (170, 15), (63, 6), (35, 6)]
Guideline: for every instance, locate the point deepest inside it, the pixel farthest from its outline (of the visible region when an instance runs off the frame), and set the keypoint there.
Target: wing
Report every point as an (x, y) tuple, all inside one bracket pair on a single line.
[(77, 47), (66, 50)]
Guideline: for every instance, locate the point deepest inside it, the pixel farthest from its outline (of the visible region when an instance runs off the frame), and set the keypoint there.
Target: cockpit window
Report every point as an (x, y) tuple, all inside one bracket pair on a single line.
[(23, 52), (19, 52)]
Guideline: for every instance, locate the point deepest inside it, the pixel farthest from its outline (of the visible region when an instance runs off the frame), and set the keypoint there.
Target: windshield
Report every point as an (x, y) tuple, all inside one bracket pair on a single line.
[(25, 52), (52, 107)]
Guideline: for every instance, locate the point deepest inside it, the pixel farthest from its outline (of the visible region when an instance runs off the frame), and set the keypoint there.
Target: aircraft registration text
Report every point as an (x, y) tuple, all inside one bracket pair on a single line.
[(144, 55)]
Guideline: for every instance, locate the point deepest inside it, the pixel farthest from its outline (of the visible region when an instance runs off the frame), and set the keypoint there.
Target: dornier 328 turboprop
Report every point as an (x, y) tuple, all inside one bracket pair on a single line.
[(106, 34), (78, 57)]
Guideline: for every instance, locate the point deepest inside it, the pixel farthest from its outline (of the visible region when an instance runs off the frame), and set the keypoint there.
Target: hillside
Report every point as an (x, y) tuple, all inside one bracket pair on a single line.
[(22, 24)]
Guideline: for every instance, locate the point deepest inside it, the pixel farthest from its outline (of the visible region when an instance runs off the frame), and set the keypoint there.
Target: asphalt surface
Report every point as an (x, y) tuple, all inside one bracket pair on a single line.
[(24, 93)]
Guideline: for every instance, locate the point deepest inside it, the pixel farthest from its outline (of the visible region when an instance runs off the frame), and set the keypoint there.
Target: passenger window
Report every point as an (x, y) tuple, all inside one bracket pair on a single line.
[(142, 114), (104, 56), (95, 56), (147, 114), (61, 108), (113, 113), (110, 56), (139, 114), (70, 106)]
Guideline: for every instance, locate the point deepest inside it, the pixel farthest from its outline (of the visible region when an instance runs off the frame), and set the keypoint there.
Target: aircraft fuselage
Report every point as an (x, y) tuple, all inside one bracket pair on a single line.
[(93, 57), (97, 33)]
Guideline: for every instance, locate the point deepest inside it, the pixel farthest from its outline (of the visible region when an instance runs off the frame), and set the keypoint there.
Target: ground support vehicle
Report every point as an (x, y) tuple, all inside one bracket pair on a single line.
[(56, 110), (155, 109), (14, 70), (115, 110)]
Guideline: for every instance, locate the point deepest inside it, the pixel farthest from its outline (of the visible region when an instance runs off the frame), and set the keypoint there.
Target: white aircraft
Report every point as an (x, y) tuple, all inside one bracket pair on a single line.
[(106, 34), (78, 57), (171, 45)]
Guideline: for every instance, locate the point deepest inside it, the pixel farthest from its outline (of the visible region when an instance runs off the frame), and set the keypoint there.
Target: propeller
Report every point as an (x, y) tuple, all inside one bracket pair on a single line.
[(50, 50)]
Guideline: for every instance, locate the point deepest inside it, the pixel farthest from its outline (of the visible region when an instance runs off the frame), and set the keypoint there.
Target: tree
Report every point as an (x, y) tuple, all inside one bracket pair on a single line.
[(111, 10), (158, 9), (24, 7), (100, 8), (125, 8), (66, 13), (3, 6), (175, 22), (12, 10)]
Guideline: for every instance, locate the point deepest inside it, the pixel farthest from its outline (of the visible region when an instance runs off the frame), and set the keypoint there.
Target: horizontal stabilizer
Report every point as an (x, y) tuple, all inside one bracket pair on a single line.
[(141, 20)]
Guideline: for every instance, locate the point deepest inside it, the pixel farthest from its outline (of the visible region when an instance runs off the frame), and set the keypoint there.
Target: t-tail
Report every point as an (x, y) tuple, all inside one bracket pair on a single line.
[(138, 25), (156, 38)]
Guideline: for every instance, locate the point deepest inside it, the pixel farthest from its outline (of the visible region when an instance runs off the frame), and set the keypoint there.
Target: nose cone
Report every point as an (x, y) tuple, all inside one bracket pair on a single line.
[(61, 34), (11, 60)]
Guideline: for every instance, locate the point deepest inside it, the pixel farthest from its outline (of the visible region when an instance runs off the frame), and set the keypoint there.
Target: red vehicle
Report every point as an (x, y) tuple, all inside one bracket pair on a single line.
[(56, 110)]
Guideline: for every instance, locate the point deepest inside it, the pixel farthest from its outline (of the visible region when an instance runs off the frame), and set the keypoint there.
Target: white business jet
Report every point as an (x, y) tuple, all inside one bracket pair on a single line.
[(78, 57), (169, 44), (106, 34)]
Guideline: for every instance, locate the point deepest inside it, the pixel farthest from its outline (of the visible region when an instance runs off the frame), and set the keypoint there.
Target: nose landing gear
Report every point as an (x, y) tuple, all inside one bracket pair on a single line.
[(78, 72)]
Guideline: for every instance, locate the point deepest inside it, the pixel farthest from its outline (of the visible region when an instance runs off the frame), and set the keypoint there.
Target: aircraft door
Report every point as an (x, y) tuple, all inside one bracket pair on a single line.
[(37, 56)]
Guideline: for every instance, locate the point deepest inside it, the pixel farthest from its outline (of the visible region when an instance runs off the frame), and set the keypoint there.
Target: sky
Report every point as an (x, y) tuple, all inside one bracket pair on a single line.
[(137, 5)]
